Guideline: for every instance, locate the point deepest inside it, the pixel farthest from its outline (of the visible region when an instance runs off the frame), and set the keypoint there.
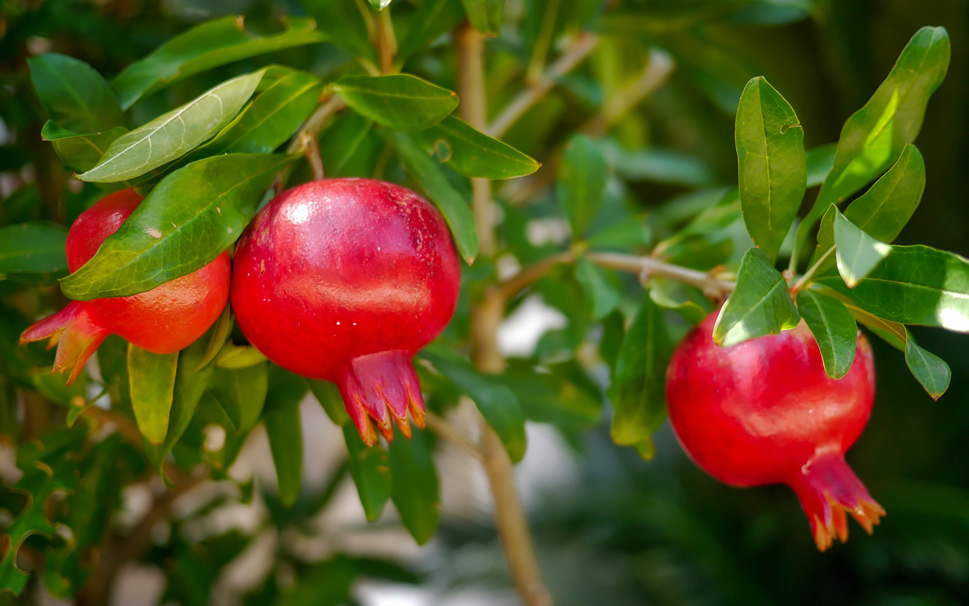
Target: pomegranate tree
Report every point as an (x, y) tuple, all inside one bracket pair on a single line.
[(163, 320), (765, 412), (344, 280)]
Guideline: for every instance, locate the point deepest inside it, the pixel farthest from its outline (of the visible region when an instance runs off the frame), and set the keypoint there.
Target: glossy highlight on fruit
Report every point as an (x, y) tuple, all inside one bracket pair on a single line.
[(345, 280), (163, 320), (765, 412)]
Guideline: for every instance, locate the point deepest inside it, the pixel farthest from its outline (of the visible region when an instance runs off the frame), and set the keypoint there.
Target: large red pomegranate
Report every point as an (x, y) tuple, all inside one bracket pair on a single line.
[(344, 280), (765, 412), (162, 320)]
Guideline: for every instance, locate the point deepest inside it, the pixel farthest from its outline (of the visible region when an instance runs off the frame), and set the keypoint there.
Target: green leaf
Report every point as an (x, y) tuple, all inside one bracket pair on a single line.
[(601, 296), (581, 183), (347, 140), (380, 4), (772, 167), (930, 370), (456, 210), (834, 329), (217, 338), (186, 221), (286, 389), (151, 379), (238, 356), (79, 152), (32, 248), (431, 19), (873, 137), (285, 430), (343, 24), (496, 402), (820, 159), (638, 389), (171, 135), (760, 304), (370, 470), (485, 15), (398, 101), (414, 486), (658, 165), (241, 394), (915, 285), (73, 94), (328, 395), (472, 153), (857, 252), (687, 301), (203, 47)]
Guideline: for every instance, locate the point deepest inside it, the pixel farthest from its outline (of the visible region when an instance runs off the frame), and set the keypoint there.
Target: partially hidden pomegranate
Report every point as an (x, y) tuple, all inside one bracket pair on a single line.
[(163, 320), (765, 412), (344, 280)]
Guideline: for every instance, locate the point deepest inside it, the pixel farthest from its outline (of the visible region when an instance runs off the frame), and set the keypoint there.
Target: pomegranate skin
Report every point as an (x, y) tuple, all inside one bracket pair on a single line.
[(765, 412), (345, 280), (163, 320)]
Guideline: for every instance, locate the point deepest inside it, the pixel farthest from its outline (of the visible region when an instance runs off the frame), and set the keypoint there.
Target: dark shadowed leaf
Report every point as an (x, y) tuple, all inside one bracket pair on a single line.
[(203, 47), (32, 248), (79, 152), (820, 159), (581, 183), (186, 221), (370, 470), (473, 153), (772, 167), (760, 305), (343, 23), (432, 18), (241, 394), (414, 485), (399, 101), (348, 139), (151, 379), (74, 95), (930, 370), (600, 293), (857, 253), (284, 428), (834, 329), (485, 15), (328, 395)]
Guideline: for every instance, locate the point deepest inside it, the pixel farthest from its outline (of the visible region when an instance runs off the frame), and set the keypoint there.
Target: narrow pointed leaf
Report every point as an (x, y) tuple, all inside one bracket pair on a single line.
[(930, 370), (414, 486), (456, 210), (472, 153), (186, 221), (217, 337), (399, 101), (151, 379), (203, 47), (772, 169), (172, 135), (327, 394), (73, 94), (79, 152), (581, 183), (284, 428), (760, 305), (485, 15), (857, 252), (241, 394), (32, 248), (601, 296), (370, 470), (833, 328)]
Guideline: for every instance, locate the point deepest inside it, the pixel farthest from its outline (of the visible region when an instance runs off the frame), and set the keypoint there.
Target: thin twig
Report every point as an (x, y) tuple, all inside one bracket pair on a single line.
[(311, 151), (654, 267), (314, 124), (810, 272), (386, 41), (582, 45), (531, 273), (444, 429)]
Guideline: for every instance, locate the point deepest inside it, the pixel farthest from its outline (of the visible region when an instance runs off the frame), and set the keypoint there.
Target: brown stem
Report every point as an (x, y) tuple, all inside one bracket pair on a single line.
[(649, 266), (532, 273), (386, 41), (441, 427), (311, 151)]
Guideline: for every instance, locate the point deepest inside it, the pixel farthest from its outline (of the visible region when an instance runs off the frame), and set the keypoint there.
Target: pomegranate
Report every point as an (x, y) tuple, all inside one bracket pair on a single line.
[(162, 320), (344, 280), (765, 412)]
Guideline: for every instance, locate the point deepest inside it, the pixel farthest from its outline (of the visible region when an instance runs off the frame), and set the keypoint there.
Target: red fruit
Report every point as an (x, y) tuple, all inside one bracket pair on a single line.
[(344, 280), (162, 320), (765, 412)]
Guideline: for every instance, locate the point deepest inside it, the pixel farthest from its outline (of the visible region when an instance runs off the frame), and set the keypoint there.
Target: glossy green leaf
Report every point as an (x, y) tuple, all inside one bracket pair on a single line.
[(772, 169), (79, 152), (186, 221), (497, 404), (929, 370), (760, 304), (857, 253), (601, 295), (456, 210), (343, 24), (284, 427), (581, 183), (874, 136), (173, 134), (238, 356), (834, 329), (638, 389), (241, 394), (370, 469), (203, 47), (398, 101), (328, 395), (73, 94), (345, 143), (472, 153), (32, 248), (485, 15), (151, 379), (819, 159), (414, 486)]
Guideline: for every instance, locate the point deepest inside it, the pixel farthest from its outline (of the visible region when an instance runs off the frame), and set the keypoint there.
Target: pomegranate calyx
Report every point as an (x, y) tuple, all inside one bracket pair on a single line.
[(75, 334), (382, 388), (828, 490)]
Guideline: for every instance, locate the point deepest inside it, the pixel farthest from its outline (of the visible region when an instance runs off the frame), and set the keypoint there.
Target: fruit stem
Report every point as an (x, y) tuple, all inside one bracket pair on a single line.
[(649, 266)]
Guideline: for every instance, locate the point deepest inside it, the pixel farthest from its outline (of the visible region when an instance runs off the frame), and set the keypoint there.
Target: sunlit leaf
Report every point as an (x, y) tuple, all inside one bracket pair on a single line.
[(857, 252), (151, 378), (760, 304)]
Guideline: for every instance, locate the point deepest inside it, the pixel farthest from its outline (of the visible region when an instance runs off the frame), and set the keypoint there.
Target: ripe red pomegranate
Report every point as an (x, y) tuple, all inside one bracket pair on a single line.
[(765, 412), (344, 280), (162, 320)]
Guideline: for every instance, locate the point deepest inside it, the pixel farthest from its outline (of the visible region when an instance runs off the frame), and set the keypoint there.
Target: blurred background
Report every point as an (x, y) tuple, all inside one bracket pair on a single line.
[(610, 527)]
